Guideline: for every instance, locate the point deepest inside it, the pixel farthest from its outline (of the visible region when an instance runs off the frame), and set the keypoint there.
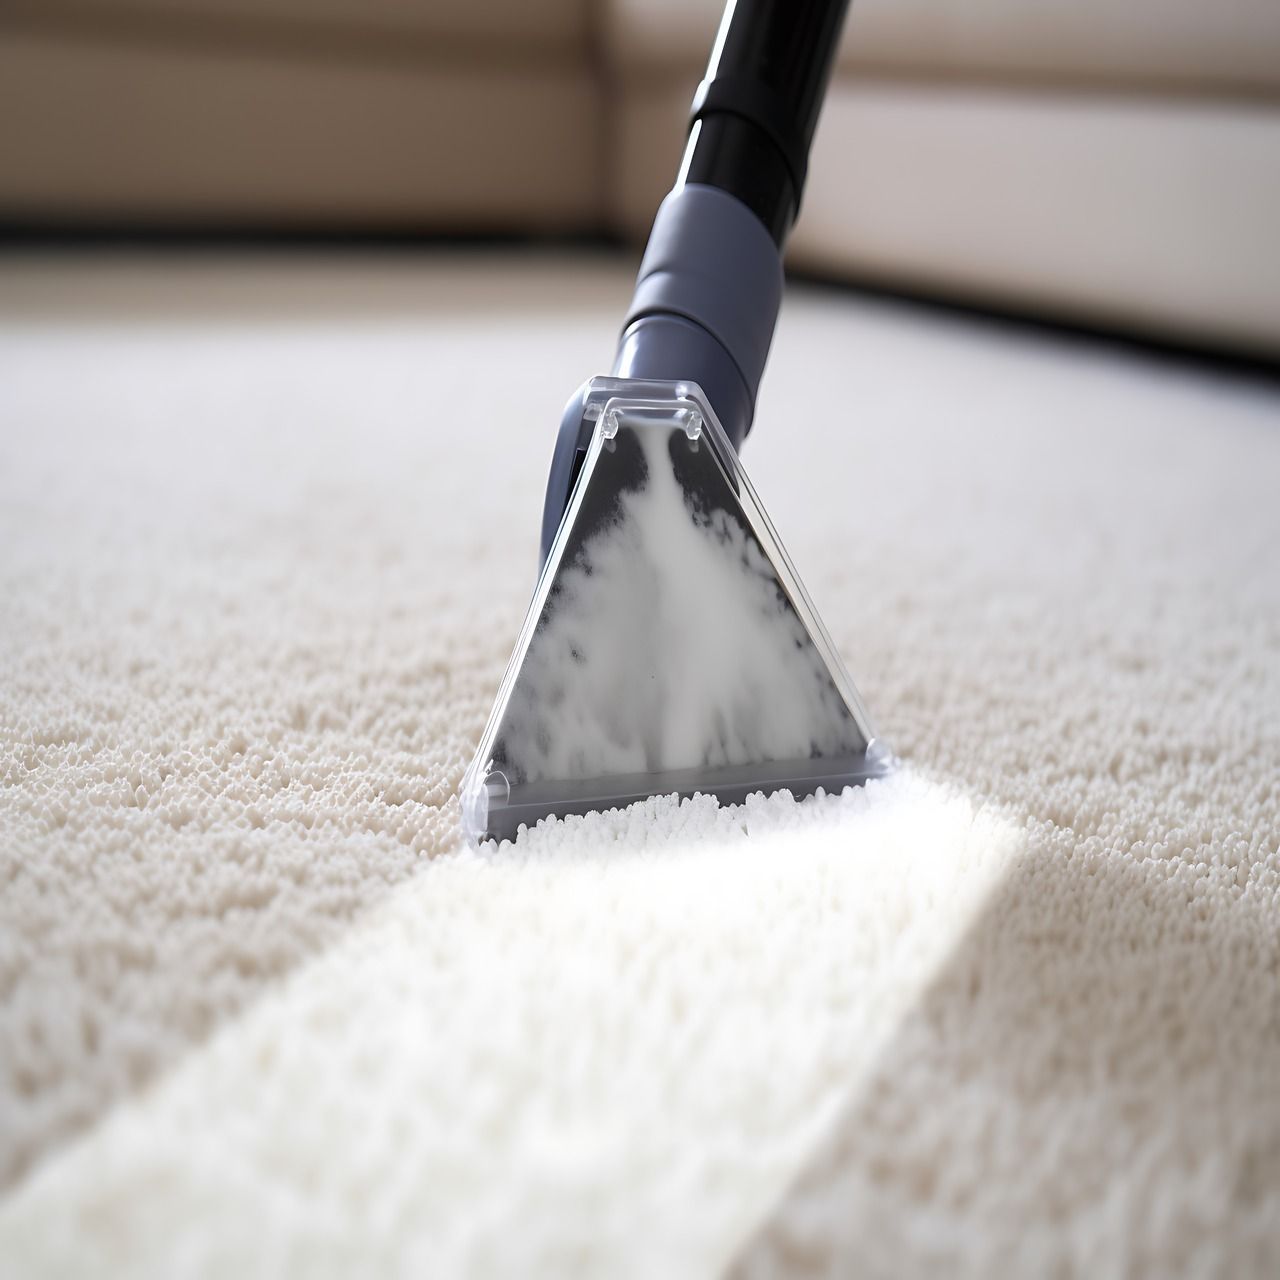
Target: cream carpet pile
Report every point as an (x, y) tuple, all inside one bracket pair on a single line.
[(267, 531)]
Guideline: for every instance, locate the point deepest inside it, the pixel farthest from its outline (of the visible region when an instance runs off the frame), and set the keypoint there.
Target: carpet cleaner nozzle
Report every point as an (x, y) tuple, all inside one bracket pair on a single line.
[(670, 645)]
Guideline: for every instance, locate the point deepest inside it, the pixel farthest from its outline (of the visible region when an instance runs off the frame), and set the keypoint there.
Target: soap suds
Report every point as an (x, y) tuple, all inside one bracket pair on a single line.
[(667, 641)]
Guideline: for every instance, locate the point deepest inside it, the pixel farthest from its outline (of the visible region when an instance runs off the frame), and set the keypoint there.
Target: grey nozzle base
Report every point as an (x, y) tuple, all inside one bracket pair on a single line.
[(529, 803)]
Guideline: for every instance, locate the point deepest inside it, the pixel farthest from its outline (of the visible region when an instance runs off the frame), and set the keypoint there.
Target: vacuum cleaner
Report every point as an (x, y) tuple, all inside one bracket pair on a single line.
[(670, 647)]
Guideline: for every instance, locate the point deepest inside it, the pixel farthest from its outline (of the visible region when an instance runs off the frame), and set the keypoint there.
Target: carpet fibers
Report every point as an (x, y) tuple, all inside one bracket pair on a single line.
[(267, 531)]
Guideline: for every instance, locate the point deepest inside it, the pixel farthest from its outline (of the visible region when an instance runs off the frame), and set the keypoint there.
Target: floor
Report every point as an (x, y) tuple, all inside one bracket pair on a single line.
[(268, 525)]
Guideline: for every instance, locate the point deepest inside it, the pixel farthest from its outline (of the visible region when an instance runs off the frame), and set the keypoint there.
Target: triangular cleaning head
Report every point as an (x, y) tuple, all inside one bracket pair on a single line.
[(670, 646)]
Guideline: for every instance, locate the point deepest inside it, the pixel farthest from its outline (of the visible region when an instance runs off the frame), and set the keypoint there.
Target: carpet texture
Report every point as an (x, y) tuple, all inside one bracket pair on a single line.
[(268, 529)]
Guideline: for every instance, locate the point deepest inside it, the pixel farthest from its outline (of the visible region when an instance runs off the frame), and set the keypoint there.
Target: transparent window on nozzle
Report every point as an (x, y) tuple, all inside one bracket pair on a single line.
[(670, 645)]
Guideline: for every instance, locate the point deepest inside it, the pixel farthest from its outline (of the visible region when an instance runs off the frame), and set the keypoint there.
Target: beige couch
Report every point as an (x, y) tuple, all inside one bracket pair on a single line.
[(1082, 159)]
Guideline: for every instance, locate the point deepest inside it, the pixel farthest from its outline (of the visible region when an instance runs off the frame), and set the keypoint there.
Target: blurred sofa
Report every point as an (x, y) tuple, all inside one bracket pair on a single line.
[(1080, 159)]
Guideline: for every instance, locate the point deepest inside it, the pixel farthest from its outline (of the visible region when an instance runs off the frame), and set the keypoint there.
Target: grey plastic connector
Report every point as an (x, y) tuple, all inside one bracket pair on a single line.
[(711, 262), (703, 312)]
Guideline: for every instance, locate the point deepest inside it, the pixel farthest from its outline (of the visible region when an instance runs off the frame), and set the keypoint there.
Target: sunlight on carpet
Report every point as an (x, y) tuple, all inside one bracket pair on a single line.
[(533, 1057)]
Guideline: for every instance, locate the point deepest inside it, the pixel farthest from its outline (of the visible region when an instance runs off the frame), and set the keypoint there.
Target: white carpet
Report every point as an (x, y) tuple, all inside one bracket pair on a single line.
[(267, 535)]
